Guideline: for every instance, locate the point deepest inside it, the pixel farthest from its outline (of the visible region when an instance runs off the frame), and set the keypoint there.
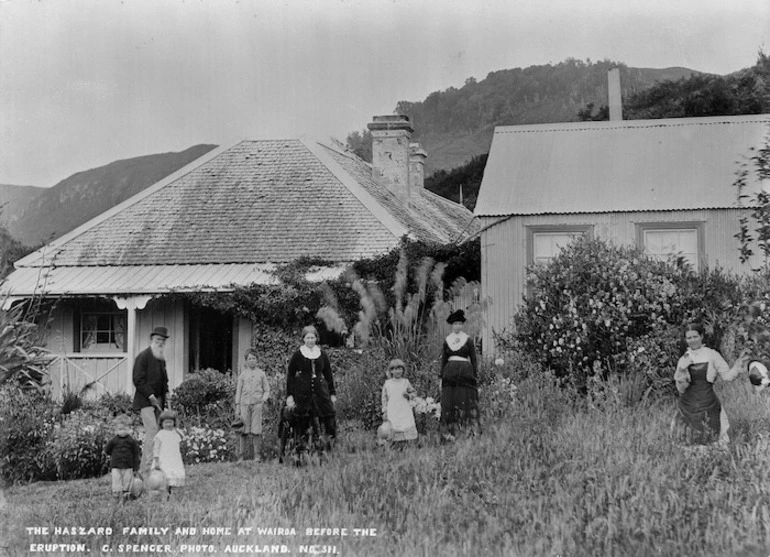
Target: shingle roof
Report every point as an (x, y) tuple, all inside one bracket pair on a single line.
[(633, 165), (430, 217), (257, 202)]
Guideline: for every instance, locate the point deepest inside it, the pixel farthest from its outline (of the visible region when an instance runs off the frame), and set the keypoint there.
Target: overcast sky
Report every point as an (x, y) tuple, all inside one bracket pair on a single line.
[(87, 82)]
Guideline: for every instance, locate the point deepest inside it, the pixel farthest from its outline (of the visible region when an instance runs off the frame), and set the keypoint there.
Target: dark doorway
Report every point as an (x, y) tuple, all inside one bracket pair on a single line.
[(211, 340)]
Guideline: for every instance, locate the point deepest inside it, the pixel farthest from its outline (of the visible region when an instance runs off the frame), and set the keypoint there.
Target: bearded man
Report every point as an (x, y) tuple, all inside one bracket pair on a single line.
[(151, 382)]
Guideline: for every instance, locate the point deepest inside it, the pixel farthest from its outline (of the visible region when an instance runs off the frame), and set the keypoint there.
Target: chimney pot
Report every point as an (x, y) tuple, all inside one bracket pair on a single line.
[(390, 153), (615, 100), (417, 156)]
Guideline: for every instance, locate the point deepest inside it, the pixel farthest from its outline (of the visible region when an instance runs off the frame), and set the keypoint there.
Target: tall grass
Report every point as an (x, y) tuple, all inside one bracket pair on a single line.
[(554, 477), (22, 358)]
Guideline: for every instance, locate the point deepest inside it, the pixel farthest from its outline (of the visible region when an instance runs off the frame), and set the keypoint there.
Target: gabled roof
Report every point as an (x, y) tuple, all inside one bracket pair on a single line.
[(629, 165), (234, 212)]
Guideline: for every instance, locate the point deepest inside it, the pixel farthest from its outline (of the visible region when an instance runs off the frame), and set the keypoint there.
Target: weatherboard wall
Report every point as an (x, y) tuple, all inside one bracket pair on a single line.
[(71, 370)]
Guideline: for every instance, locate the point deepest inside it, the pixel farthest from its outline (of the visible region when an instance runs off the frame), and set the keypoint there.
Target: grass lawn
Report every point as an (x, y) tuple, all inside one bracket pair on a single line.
[(548, 478)]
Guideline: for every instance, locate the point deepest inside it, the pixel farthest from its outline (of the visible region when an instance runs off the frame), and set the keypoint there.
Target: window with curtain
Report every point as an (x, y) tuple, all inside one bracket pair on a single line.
[(545, 242), (664, 240), (102, 331)]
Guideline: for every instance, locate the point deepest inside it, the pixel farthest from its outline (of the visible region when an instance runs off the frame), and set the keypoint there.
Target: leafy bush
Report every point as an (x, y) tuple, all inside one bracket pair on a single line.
[(595, 305), (27, 420), (205, 397), (116, 403), (77, 446), (201, 444)]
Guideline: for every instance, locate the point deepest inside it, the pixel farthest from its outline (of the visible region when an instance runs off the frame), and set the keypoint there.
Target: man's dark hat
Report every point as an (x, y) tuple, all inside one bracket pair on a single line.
[(159, 331), (456, 316)]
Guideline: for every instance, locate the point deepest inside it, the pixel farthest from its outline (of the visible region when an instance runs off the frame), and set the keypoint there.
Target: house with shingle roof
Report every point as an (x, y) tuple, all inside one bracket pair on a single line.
[(226, 220), (664, 185)]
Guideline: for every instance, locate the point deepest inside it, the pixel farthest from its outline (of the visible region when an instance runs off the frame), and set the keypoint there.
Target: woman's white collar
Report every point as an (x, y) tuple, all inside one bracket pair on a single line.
[(310, 353), (456, 340)]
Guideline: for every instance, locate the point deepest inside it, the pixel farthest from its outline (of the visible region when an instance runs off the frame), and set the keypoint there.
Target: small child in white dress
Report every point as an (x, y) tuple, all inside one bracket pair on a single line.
[(397, 392), (167, 454)]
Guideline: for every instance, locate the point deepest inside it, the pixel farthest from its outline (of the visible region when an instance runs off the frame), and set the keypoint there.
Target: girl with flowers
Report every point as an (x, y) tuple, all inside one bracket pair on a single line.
[(397, 393)]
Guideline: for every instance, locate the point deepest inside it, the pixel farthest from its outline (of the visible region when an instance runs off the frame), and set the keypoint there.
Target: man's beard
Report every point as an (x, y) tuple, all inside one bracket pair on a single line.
[(158, 352)]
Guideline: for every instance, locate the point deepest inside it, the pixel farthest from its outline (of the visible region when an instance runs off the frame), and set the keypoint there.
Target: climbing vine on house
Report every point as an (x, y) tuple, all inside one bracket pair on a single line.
[(294, 301)]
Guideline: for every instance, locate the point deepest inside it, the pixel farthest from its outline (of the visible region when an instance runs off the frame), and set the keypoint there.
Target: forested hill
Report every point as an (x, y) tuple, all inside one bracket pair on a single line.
[(456, 125), (86, 194)]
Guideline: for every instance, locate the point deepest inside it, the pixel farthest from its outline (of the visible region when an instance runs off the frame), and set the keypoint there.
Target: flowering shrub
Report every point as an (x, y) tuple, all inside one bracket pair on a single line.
[(201, 444), (652, 356), (585, 306)]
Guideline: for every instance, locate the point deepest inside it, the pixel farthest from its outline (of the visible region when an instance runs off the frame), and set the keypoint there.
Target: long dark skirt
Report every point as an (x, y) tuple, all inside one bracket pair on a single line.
[(459, 395), (699, 408)]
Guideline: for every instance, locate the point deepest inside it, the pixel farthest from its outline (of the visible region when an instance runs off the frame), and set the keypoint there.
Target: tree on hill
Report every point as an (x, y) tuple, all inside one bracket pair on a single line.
[(11, 250), (743, 92), (468, 177), (361, 144), (536, 94)]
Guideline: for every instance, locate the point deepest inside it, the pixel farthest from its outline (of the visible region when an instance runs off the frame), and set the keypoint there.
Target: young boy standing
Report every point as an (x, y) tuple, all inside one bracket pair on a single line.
[(125, 456)]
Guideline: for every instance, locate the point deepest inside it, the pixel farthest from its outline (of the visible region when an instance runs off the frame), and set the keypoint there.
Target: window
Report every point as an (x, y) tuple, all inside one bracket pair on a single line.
[(100, 327), (663, 240), (545, 242)]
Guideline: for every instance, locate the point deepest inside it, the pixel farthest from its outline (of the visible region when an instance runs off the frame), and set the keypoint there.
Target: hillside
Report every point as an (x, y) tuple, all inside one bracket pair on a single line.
[(87, 194), (456, 125), (14, 199)]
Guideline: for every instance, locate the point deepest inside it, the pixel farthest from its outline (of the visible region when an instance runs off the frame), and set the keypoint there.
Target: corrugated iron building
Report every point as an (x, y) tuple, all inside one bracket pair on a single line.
[(665, 185)]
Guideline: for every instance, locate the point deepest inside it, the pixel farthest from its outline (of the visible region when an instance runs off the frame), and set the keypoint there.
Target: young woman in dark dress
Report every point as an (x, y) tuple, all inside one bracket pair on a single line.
[(699, 407), (459, 386), (310, 389)]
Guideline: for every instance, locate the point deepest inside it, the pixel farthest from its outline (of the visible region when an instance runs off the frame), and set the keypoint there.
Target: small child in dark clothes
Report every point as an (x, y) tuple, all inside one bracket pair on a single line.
[(125, 456)]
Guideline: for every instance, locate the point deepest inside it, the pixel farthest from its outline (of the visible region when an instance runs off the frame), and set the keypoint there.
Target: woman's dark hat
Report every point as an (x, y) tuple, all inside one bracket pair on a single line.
[(456, 316), (159, 331)]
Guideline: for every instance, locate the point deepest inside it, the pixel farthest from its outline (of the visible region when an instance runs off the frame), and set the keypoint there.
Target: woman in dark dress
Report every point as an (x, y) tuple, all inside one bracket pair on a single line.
[(699, 407), (459, 387), (310, 386)]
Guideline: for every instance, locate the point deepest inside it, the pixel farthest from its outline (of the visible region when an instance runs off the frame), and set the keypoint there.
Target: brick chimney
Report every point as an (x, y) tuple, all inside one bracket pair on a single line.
[(417, 156), (613, 93), (390, 153)]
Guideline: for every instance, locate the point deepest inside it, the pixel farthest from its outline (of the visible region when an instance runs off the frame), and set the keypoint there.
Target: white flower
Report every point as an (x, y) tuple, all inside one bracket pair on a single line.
[(499, 362)]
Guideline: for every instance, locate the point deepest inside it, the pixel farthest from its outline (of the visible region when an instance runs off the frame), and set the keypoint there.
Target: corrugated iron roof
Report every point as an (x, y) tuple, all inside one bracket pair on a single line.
[(630, 165), (147, 279)]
